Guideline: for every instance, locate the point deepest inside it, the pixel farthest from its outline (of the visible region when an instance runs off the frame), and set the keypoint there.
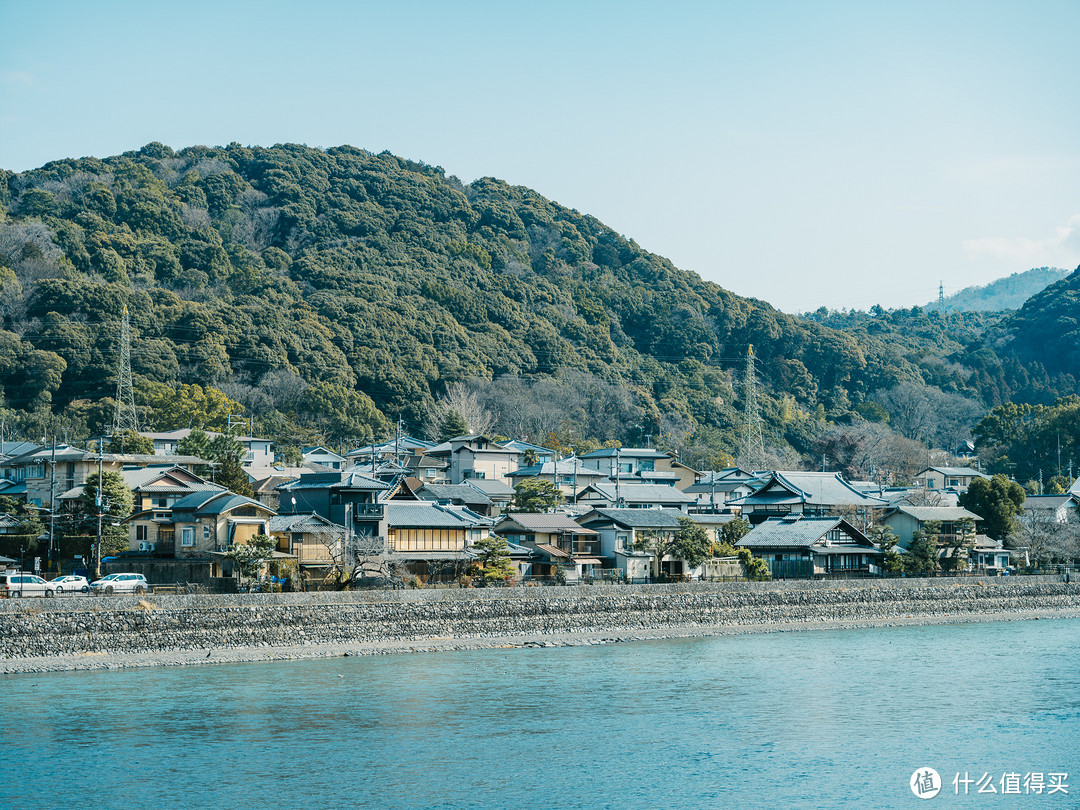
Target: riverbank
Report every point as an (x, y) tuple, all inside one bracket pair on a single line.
[(121, 632), (116, 661)]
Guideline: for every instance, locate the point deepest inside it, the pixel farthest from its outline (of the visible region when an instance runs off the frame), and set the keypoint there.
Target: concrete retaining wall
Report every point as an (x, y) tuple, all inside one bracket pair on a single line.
[(72, 625)]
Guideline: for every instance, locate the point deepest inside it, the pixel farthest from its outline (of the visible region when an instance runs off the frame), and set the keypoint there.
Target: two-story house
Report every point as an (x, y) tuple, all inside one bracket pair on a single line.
[(797, 546), (202, 525), (640, 465), (324, 457), (562, 543), (905, 520), (349, 498), (570, 475), (431, 540), (631, 538), (958, 478), (475, 456)]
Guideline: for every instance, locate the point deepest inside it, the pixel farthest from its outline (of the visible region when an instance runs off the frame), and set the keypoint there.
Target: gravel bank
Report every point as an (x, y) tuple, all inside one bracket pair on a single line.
[(72, 634)]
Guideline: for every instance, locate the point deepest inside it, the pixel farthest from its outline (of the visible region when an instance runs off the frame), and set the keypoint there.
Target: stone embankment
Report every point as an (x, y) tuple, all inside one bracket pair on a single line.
[(73, 626)]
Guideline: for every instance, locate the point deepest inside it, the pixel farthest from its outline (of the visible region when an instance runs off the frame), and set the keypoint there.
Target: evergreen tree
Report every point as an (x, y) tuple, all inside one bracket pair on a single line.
[(999, 502), (130, 442), (232, 476), (535, 495), (453, 424), (493, 555)]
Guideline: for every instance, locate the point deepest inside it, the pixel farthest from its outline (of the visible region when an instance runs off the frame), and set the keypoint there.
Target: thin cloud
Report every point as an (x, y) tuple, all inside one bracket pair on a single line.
[(1062, 249), (16, 78)]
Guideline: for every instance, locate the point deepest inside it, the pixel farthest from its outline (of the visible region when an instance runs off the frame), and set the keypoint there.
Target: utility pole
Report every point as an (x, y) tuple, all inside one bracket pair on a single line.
[(52, 507), (397, 441), (618, 475), (98, 501)]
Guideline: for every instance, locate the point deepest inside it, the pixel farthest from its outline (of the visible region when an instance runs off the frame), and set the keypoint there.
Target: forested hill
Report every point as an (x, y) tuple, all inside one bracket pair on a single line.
[(1003, 294), (1046, 330), (332, 291)]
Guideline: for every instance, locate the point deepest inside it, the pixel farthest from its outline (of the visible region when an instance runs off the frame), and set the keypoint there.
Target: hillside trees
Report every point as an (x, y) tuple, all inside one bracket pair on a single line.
[(278, 270)]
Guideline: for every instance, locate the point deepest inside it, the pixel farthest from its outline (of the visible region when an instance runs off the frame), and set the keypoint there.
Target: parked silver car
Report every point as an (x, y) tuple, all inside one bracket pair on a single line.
[(20, 583), (70, 584), (120, 583)]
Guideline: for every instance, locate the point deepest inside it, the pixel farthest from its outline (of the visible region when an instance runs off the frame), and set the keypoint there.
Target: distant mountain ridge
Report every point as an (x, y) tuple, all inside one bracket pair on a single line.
[(1004, 294)]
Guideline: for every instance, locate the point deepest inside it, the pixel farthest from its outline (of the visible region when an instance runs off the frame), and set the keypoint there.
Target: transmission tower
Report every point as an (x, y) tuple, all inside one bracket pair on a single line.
[(753, 455), (126, 416), (940, 293)]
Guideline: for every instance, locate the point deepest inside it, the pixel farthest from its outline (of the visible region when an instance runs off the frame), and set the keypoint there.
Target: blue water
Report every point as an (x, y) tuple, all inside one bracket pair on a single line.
[(819, 719)]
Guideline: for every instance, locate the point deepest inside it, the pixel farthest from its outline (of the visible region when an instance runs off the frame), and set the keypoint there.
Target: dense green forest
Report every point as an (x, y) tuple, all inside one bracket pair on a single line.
[(331, 293)]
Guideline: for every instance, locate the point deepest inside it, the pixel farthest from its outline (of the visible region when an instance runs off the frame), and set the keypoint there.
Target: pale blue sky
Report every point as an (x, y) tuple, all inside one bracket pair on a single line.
[(830, 153)]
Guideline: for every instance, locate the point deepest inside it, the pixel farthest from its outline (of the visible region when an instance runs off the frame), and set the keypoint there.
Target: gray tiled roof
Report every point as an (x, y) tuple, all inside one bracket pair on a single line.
[(625, 452), (819, 489), (793, 532), (642, 493), (1049, 501), (540, 522), (962, 472), (637, 518), (925, 513), (299, 523), (455, 492), (564, 467), (491, 487), (349, 479), (420, 514)]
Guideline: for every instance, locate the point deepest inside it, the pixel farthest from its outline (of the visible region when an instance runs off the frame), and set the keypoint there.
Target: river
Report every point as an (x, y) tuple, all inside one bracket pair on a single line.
[(797, 719)]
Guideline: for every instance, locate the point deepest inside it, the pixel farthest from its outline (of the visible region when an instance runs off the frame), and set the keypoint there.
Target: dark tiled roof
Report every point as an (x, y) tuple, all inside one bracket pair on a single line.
[(538, 522), (455, 492), (797, 532), (638, 518)]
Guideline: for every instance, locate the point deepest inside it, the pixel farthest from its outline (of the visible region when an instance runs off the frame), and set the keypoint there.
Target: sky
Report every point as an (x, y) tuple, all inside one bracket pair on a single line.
[(838, 154)]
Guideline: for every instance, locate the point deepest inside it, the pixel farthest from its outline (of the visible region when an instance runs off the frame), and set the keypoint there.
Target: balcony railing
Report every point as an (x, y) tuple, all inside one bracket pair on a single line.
[(367, 511), (583, 547)]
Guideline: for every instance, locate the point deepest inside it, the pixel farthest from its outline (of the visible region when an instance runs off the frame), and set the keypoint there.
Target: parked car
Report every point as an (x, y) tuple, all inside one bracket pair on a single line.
[(70, 584), (20, 583), (120, 583)]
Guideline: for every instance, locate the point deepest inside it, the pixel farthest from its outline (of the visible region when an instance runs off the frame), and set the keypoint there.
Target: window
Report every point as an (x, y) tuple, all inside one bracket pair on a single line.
[(648, 464), (622, 540), (187, 536), (142, 533), (161, 502), (335, 499), (206, 531), (625, 468)]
